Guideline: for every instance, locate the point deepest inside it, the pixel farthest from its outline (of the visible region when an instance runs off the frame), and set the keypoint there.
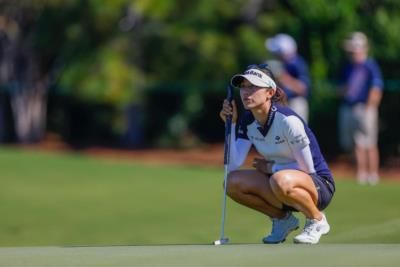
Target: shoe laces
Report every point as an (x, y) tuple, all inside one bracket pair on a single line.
[(278, 220), (275, 222), (309, 226)]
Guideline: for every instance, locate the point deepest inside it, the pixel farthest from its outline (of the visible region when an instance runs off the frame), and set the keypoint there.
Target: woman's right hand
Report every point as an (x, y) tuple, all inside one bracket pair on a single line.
[(229, 110)]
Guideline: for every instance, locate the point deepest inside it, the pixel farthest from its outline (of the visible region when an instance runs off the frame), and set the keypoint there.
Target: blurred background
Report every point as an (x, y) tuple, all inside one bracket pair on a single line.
[(139, 74)]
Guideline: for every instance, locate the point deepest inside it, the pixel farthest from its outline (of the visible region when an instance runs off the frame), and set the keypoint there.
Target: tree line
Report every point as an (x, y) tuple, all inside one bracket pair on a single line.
[(131, 66)]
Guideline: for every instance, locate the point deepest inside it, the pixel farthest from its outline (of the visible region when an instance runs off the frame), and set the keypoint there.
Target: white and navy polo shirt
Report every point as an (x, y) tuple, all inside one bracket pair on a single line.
[(285, 139)]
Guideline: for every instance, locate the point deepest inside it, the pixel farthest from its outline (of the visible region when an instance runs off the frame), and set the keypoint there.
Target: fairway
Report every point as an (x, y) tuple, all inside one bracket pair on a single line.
[(50, 199), (205, 255)]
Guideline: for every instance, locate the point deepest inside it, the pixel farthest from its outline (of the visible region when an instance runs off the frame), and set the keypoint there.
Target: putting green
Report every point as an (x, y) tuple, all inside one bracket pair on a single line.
[(205, 255)]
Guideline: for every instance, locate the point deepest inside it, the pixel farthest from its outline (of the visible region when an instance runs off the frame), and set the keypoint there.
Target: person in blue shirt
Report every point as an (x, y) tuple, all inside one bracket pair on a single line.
[(292, 174), (361, 86), (293, 74)]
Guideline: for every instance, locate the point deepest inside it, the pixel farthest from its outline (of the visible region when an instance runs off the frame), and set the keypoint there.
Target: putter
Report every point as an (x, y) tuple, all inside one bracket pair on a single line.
[(224, 240)]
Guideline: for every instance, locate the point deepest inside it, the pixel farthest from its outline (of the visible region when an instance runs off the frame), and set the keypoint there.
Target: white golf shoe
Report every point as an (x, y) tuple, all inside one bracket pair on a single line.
[(313, 230), (281, 228)]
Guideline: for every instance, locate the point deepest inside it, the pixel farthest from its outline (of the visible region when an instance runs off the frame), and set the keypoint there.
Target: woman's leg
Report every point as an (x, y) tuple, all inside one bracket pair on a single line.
[(252, 189), (296, 189)]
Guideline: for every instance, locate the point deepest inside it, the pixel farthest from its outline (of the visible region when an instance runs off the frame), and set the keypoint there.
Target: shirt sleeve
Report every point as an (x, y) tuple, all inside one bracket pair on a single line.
[(299, 143), (294, 131), (239, 148), (304, 159), (298, 69), (303, 74), (376, 75)]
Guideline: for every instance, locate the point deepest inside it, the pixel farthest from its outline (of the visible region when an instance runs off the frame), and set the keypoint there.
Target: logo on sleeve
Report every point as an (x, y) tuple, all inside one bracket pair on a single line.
[(300, 139), (278, 140)]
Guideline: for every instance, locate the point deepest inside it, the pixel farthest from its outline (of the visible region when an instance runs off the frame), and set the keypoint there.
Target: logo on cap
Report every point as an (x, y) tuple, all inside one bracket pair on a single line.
[(251, 72)]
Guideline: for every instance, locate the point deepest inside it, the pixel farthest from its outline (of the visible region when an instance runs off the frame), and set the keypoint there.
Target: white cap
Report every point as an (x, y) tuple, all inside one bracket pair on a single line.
[(357, 41), (281, 44), (255, 77)]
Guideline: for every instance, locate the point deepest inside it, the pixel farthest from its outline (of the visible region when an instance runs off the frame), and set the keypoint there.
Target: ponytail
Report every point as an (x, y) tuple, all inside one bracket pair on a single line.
[(280, 96)]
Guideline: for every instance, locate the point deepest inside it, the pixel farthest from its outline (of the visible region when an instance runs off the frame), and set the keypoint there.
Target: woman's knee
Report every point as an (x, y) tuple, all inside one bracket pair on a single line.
[(235, 184), (282, 183)]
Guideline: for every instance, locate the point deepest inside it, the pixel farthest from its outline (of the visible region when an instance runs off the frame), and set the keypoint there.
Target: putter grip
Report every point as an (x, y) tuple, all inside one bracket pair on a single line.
[(228, 126)]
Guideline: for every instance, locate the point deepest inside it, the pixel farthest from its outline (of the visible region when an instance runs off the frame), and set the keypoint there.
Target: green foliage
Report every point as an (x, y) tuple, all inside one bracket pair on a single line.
[(104, 76), (172, 43), (194, 39), (155, 9)]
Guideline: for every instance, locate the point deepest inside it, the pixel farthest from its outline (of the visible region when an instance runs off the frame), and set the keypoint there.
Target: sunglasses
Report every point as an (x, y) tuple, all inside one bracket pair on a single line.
[(258, 66)]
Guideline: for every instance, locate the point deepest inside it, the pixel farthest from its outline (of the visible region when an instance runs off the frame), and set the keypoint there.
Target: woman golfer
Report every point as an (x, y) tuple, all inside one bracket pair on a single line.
[(293, 174)]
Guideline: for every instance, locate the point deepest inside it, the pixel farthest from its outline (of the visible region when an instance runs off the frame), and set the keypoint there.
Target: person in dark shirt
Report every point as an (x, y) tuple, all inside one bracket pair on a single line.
[(361, 86), (293, 74)]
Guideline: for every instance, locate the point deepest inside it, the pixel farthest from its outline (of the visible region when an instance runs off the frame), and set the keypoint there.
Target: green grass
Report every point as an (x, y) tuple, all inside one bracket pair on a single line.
[(51, 199), (327, 255)]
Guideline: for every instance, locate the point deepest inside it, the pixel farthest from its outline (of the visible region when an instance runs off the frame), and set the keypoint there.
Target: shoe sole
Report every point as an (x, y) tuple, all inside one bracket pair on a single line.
[(283, 240), (310, 243)]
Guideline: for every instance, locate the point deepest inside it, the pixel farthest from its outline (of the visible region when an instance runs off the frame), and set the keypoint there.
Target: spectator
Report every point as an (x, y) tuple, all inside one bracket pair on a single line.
[(291, 71), (361, 86)]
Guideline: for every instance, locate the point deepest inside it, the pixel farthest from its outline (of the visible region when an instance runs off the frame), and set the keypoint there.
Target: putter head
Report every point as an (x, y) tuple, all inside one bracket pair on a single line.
[(221, 241)]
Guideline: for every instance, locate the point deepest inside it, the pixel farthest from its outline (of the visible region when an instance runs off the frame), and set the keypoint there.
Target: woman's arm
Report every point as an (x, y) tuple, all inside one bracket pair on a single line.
[(304, 159), (239, 149), (299, 143)]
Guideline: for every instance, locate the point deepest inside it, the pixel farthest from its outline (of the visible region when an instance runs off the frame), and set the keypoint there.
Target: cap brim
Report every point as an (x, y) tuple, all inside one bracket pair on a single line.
[(238, 79)]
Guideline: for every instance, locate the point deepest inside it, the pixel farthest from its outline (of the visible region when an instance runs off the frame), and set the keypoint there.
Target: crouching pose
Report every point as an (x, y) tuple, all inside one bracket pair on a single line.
[(292, 175)]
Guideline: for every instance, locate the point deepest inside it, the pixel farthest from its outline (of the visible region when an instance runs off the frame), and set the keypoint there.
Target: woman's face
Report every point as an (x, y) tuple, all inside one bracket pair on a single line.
[(253, 96)]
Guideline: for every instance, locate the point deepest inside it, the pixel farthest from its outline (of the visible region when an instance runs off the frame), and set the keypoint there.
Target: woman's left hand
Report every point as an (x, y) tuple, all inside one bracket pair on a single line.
[(263, 165)]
